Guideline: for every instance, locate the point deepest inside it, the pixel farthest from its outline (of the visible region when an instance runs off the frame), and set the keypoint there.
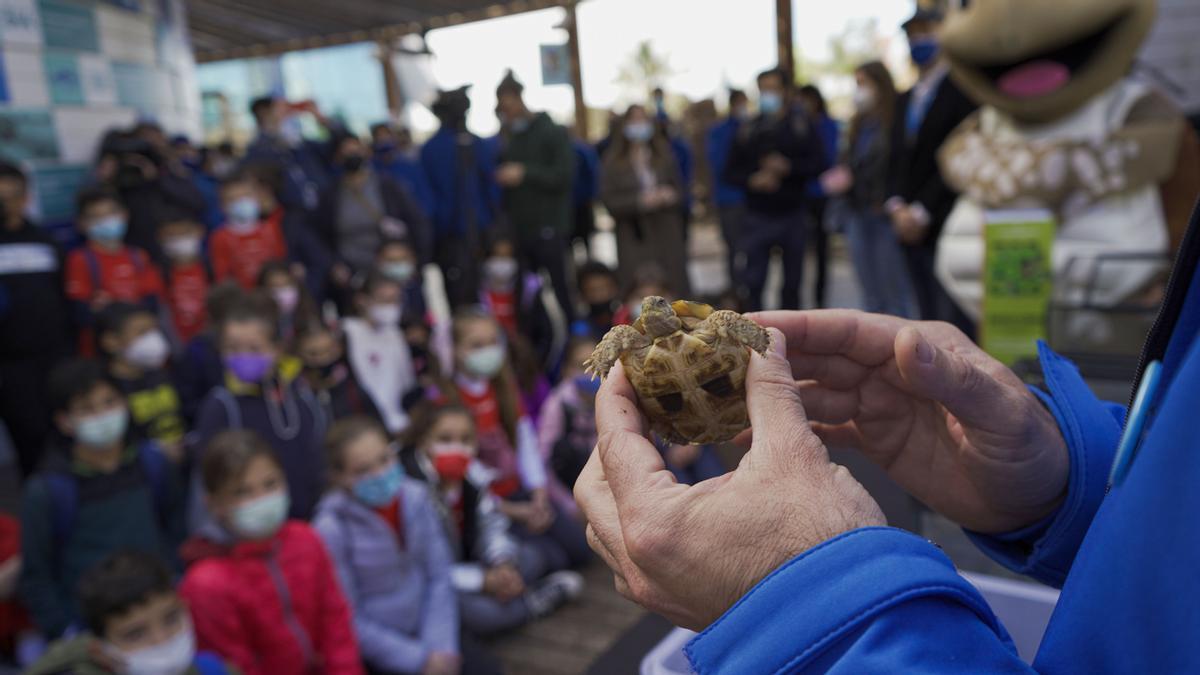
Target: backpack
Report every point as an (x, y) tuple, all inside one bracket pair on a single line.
[(64, 491), (93, 265), (207, 663)]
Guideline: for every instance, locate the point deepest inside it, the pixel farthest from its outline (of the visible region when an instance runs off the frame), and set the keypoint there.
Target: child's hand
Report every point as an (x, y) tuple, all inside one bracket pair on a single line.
[(503, 582), (442, 663), (100, 300), (173, 451), (10, 572)]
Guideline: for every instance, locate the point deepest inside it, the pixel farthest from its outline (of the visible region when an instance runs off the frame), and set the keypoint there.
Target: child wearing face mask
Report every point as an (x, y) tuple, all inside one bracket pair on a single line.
[(263, 392), (291, 298), (484, 383), (97, 492), (387, 543), (104, 269), (247, 240), (186, 277), (262, 590), (567, 429), (136, 352), (516, 302), (135, 623), (397, 260), (377, 352), (328, 373), (500, 579)]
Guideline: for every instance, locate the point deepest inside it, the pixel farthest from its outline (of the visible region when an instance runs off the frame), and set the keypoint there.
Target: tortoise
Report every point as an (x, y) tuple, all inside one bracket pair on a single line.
[(687, 363)]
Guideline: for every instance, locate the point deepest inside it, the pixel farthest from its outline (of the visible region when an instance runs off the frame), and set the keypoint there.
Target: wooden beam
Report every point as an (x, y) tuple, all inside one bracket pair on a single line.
[(581, 113), (783, 35)]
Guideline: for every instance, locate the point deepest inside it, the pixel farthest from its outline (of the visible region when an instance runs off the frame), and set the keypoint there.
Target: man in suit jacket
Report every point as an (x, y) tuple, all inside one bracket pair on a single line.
[(921, 201)]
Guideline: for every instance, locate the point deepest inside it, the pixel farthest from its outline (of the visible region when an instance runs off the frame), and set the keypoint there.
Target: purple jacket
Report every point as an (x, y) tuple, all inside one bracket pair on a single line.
[(403, 603)]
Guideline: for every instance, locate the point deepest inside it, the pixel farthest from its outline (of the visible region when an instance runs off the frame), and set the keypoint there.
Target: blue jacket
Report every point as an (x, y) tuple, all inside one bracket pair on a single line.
[(586, 183), (720, 140), (828, 130), (882, 600), (408, 172), (451, 211), (305, 168), (400, 593)]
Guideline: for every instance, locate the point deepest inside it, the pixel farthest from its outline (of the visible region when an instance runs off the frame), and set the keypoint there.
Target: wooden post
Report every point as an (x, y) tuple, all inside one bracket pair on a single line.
[(783, 35), (581, 113), (391, 80)]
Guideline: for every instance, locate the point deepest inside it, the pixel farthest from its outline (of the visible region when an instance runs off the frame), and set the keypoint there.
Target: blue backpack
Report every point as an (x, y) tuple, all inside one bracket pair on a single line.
[(209, 664), (64, 491)]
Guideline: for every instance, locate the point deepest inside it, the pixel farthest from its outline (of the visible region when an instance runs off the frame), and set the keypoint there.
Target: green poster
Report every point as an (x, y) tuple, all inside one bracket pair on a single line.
[(1017, 282), (56, 189), (68, 25), (27, 135), (62, 76)]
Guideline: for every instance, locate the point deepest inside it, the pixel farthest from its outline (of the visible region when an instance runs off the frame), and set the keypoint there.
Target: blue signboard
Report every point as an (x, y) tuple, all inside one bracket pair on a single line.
[(56, 190), (68, 26), (28, 135), (62, 78)]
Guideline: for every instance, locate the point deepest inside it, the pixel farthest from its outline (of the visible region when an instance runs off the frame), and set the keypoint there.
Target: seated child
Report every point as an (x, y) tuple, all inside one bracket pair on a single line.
[(508, 445), (567, 429), (135, 623), (97, 493), (247, 240), (262, 590), (397, 260), (199, 368), (377, 352), (600, 291), (328, 374), (136, 352), (295, 305), (499, 579), (104, 269), (263, 392), (386, 539), (186, 277)]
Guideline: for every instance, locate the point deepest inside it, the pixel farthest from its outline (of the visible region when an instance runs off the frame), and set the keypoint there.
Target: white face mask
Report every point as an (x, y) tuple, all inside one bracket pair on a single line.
[(173, 657), (500, 270), (485, 362), (149, 351), (102, 430), (286, 298), (182, 248), (864, 99), (383, 316), (261, 517)]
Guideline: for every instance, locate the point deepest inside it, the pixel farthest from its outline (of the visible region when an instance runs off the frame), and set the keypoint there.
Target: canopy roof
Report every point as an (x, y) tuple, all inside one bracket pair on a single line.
[(231, 29)]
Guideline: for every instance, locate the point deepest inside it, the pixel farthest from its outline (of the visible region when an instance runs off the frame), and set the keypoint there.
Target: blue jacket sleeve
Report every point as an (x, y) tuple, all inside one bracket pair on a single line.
[(439, 623), (874, 600), (1091, 428)]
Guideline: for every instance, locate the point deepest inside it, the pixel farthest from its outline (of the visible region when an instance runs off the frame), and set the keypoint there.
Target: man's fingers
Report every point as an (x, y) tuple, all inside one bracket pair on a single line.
[(604, 526), (776, 411), (864, 338), (829, 406), (972, 395), (836, 371), (633, 467)]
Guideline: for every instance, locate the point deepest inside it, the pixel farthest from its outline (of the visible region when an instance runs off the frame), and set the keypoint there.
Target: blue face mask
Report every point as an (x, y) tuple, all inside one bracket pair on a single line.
[(587, 385), (923, 50), (108, 228), (379, 489), (639, 132), (770, 102)]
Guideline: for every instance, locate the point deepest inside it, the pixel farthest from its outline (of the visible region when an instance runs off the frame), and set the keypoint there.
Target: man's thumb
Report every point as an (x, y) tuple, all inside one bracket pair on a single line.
[(969, 393), (776, 413)]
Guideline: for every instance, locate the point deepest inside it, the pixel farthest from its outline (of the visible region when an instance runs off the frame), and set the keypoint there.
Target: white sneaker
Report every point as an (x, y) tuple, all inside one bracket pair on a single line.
[(553, 592)]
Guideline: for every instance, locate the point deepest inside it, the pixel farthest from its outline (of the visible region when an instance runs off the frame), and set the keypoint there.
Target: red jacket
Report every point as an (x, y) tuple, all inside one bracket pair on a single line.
[(241, 255), (271, 607)]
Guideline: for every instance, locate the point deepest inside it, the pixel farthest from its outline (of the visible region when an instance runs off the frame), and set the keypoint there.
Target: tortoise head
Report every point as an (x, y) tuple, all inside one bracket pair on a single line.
[(658, 319)]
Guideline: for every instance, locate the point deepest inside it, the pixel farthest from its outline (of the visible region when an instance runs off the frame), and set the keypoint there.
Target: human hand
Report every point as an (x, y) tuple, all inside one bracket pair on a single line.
[(340, 274), (950, 424), (100, 300), (837, 181), (541, 514), (689, 552), (503, 582), (649, 200), (763, 181), (10, 572), (776, 164), (667, 196), (442, 663), (682, 456), (909, 230), (510, 174)]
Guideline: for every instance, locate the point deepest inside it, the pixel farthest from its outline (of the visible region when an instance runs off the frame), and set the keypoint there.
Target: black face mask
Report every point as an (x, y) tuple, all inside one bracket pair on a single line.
[(326, 370), (353, 163), (601, 310)]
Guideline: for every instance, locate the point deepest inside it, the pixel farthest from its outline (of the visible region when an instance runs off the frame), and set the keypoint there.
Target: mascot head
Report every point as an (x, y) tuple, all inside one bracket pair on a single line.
[(1039, 60)]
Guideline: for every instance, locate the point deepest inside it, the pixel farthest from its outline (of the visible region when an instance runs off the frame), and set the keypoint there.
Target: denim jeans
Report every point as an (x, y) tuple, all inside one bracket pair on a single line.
[(761, 233), (880, 265)]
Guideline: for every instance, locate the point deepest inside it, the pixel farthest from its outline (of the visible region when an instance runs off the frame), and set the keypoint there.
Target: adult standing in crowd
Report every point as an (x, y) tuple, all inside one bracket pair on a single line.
[(862, 179), (641, 187), (773, 159), (812, 101), (34, 320), (394, 154), (364, 207), (459, 167), (280, 140), (921, 201), (730, 199), (535, 172)]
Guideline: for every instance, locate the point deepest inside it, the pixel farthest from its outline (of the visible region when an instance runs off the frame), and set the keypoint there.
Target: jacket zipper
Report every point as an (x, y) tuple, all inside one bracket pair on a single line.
[(289, 612), (1168, 313)]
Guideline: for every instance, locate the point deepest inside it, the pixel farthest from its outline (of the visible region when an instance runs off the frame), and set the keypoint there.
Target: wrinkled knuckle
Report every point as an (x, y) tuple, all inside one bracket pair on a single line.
[(644, 543)]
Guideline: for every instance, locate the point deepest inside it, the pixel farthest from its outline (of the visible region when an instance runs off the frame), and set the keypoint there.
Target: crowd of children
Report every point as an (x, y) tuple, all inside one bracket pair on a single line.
[(245, 471)]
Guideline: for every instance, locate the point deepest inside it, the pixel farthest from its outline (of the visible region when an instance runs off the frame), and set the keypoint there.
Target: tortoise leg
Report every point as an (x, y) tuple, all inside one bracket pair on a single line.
[(618, 341), (724, 323)]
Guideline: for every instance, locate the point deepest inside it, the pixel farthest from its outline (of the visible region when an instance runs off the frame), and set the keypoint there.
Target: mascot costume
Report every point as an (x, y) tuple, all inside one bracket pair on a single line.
[(1064, 127)]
